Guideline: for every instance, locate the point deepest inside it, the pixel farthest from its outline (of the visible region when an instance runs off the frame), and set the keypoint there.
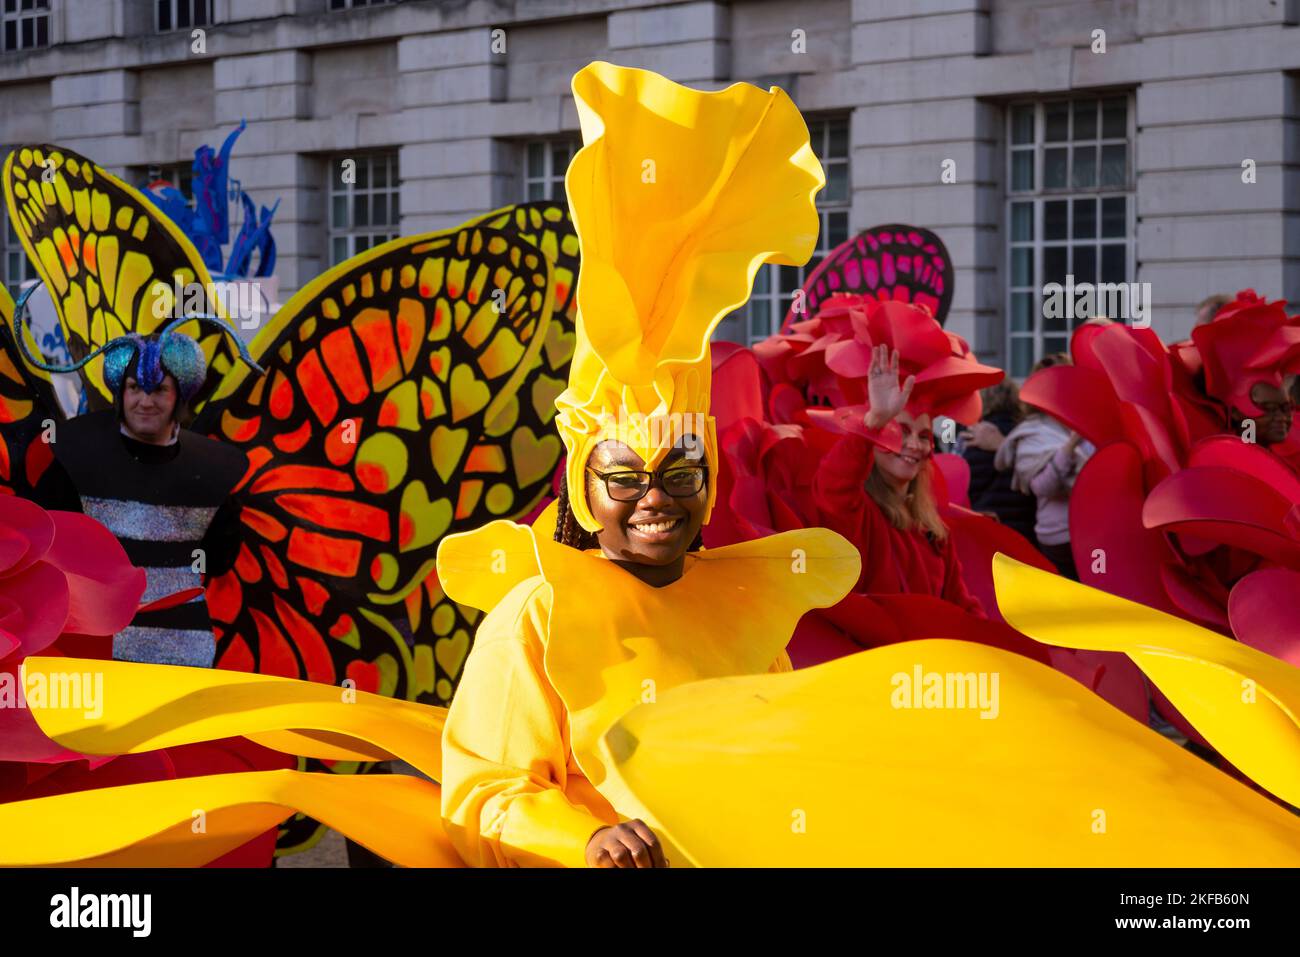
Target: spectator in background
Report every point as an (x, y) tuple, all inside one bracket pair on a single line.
[(1209, 306), (1044, 458), (991, 493)]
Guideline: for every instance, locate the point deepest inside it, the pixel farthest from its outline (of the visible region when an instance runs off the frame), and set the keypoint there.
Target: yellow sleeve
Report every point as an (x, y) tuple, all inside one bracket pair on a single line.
[(504, 751)]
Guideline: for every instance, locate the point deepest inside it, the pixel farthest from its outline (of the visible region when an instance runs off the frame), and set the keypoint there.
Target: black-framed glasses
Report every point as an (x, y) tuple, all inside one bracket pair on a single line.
[(632, 485)]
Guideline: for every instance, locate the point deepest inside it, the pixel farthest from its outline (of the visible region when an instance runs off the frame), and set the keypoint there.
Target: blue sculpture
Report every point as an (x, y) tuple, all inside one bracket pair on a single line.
[(208, 226)]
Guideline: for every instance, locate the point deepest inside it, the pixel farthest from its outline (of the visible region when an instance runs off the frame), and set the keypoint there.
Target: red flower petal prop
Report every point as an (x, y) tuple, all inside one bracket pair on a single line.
[(828, 357), (62, 575), (105, 586), (1264, 608), (978, 539), (1250, 341), (1228, 506)]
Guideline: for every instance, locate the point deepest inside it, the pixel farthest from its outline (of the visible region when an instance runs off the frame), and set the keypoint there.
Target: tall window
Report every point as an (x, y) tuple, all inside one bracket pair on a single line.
[(775, 286), (26, 24), (180, 14), (349, 4), (545, 163), (17, 268), (364, 205), (1070, 212)]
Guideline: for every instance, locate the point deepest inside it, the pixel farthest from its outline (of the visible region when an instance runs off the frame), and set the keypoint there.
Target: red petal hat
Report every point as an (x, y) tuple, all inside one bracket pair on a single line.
[(1250, 341), (829, 356)]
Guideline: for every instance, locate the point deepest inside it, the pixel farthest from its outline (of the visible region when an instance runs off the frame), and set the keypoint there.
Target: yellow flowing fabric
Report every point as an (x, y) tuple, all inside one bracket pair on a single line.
[(571, 642), (188, 822), (162, 706), (678, 198), (147, 707), (855, 763), (1246, 703)]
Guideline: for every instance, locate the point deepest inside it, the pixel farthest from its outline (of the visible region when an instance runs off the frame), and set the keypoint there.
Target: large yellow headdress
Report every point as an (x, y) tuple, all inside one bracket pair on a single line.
[(678, 198)]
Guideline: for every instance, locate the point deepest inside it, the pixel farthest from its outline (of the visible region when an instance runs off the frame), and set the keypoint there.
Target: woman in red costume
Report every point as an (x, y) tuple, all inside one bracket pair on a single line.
[(884, 501)]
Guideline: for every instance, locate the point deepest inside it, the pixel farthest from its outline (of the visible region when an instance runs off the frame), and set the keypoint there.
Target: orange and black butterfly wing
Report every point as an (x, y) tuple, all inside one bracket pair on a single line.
[(388, 417), (448, 626), (409, 394)]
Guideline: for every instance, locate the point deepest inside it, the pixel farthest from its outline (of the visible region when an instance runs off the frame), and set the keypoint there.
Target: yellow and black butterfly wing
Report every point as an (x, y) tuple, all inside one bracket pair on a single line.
[(27, 402), (106, 253)]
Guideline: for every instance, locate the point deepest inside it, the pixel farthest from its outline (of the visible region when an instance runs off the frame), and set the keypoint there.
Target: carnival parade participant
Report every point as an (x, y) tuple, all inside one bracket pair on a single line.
[(1044, 457), (884, 501), (1244, 361), (873, 476), (161, 489), (662, 265)]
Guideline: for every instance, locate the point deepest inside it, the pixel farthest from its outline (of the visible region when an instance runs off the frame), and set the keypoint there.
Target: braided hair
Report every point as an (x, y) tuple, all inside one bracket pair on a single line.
[(569, 532)]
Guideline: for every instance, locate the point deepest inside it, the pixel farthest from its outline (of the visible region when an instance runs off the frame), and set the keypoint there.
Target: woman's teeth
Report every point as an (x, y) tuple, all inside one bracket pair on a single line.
[(656, 526)]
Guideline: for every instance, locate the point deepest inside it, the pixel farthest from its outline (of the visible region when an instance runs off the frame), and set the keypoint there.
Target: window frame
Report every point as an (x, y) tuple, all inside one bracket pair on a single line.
[(767, 294), (180, 174), (551, 183), (1039, 195), (40, 13), (373, 234), (173, 6)]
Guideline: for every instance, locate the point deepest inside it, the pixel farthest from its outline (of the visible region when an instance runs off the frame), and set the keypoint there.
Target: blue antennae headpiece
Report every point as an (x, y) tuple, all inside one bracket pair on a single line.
[(150, 358)]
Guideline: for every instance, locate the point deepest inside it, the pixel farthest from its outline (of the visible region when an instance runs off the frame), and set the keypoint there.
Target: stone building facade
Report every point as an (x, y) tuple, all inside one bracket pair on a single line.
[(1150, 141)]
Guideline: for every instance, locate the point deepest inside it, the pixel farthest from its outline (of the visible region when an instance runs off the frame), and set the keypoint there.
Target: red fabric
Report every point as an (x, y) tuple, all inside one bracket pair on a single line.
[(827, 358), (1264, 608), (66, 587), (894, 561), (1249, 341)]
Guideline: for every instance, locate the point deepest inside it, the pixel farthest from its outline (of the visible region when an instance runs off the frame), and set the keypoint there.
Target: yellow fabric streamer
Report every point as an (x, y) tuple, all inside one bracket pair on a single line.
[(868, 760), (1246, 703), (678, 198), (147, 707), (188, 822)]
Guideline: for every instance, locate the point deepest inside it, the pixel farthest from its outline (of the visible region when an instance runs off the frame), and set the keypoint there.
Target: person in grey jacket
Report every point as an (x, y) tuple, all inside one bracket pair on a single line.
[(1044, 458)]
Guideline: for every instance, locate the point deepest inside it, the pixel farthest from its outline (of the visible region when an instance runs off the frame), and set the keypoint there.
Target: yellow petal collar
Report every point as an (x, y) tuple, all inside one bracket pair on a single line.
[(615, 642)]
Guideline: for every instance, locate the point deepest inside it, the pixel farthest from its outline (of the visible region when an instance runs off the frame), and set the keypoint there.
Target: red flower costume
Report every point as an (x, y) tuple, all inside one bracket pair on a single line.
[(796, 454), (66, 587), (1175, 510)]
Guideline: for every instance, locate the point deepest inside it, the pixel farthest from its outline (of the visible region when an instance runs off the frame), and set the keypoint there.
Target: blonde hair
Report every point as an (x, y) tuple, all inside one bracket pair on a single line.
[(915, 508)]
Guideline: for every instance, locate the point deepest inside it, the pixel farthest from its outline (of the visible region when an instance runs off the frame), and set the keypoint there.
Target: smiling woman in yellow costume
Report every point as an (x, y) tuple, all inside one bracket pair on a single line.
[(663, 201), (615, 709)]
